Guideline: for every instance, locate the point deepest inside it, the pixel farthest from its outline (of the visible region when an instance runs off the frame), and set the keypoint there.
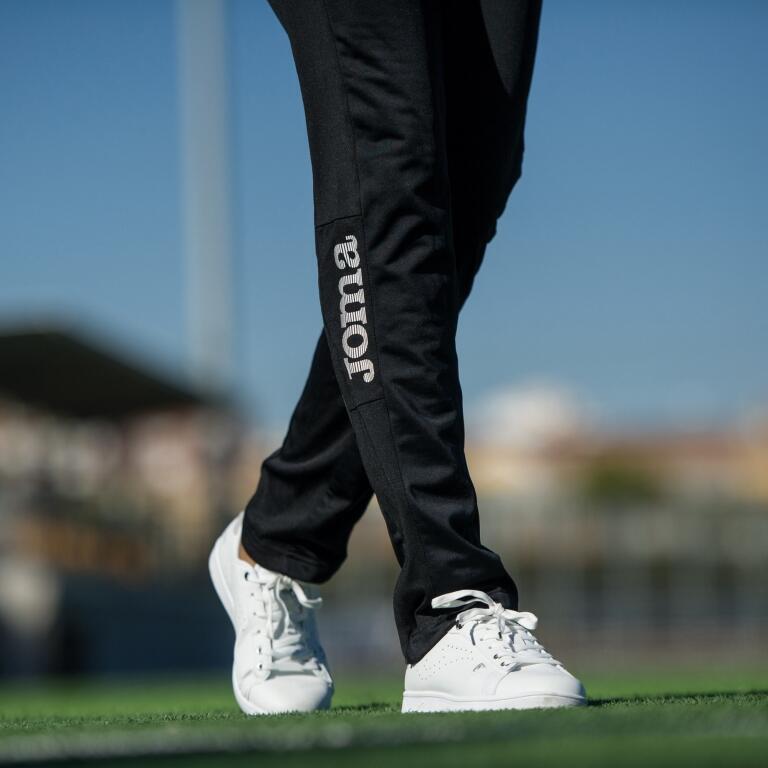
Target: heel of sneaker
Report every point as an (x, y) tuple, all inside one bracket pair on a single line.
[(219, 583)]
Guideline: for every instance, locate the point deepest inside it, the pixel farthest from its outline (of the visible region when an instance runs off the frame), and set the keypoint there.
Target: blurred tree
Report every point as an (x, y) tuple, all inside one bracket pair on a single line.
[(616, 480)]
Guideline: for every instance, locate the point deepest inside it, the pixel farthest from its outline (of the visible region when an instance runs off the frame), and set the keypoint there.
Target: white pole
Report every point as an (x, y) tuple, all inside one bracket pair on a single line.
[(206, 189)]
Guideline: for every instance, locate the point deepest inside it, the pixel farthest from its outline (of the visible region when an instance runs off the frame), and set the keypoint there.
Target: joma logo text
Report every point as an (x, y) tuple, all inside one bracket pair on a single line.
[(354, 338)]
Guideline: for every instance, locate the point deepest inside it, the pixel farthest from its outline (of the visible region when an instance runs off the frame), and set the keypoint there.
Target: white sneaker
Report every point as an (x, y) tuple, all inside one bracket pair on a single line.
[(279, 665), (488, 660)]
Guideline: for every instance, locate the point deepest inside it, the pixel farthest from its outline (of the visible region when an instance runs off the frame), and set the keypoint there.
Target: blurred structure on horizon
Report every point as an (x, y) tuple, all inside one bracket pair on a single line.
[(206, 189), (535, 441), (108, 472), (107, 514)]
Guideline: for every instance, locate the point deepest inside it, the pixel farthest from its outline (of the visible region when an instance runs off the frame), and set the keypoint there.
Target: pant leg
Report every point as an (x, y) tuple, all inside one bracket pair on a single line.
[(313, 489), (327, 510), (489, 67)]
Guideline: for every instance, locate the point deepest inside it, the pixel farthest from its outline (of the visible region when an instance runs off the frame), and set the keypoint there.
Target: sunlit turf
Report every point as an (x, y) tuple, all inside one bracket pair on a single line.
[(711, 716)]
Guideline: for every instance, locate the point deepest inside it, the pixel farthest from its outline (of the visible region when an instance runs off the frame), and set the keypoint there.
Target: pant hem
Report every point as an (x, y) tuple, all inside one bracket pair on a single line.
[(289, 564), (421, 642)]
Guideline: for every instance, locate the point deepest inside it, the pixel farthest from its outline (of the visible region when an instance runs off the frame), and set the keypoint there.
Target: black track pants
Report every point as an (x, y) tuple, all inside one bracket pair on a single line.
[(415, 114)]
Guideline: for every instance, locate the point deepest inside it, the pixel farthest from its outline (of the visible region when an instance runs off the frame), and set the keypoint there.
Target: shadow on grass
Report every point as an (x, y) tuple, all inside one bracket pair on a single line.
[(728, 696), (681, 698)]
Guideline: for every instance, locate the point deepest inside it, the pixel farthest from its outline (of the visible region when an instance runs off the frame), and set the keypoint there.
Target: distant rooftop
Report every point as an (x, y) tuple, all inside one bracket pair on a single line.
[(69, 373)]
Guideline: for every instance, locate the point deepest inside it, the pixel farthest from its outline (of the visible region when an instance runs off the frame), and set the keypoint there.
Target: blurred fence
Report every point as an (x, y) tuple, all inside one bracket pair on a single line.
[(105, 528), (668, 581), (665, 582)]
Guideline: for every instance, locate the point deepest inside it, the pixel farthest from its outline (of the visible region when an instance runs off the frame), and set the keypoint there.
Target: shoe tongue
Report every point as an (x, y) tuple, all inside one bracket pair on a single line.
[(265, 576), (282, 620), (514, 636)]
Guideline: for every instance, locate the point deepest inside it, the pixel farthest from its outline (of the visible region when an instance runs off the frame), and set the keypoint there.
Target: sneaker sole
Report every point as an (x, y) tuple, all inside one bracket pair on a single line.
[(225, 597), (437, 702)]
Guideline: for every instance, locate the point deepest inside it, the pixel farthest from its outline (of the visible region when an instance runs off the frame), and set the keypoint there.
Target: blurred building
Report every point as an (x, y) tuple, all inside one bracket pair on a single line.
[(629, 538), (730, 464), (114, 480), (111, 473)]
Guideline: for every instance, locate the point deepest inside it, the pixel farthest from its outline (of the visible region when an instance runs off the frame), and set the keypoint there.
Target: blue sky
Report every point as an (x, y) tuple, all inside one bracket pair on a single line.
[(630, 268)]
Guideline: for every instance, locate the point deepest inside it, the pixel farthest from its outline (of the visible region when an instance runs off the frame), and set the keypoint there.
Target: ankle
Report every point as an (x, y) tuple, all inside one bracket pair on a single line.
[(244, 556)]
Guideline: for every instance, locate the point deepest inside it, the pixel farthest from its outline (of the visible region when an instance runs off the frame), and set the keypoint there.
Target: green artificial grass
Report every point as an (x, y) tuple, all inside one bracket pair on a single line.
[(694, 717)]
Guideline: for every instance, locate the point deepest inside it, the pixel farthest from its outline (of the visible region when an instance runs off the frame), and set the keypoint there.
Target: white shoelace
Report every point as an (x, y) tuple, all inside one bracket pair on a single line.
[(288, 647), (506, 632)]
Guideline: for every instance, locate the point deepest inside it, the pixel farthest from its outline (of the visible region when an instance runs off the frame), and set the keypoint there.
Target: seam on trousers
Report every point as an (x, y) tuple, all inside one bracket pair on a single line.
[(374, 399), (416, 532), (357, 215), (360, 206), (419, 542), (383, 397)]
